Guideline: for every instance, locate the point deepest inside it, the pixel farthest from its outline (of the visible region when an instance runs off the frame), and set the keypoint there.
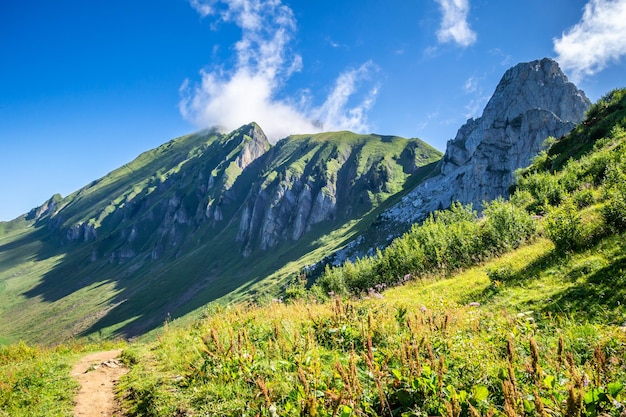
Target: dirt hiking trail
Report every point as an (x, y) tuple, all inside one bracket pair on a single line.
[(98, 374)]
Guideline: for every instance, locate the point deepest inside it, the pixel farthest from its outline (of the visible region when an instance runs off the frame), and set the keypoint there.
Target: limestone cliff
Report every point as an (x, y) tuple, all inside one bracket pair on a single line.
[(532, 102), (309, 179)]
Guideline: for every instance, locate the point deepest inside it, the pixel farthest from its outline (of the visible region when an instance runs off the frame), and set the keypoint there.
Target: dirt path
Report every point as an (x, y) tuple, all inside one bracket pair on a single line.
[(97, 374)]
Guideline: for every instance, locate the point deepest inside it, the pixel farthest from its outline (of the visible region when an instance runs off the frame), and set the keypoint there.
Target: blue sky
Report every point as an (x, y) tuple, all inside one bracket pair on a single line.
[(87, 86)]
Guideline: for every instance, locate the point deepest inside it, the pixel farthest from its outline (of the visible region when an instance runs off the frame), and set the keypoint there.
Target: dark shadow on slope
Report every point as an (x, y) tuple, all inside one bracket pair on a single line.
[(190, 284), (30, 245), (205, 275), (600, 297), (125, 177), (508, 277), (95, 261), (598, 294)]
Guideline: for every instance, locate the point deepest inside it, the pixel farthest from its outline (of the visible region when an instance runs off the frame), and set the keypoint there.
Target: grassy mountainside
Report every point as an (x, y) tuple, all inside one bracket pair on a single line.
[(520, 312), (162, 236), (523, 313)]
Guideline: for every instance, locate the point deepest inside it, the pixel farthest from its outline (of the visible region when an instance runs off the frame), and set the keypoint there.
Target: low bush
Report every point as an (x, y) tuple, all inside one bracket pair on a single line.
[(563, 226), (506, 226), (614, 210)]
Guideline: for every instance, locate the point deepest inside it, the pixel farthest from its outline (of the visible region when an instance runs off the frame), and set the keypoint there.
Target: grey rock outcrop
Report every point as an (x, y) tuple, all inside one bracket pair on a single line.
[(254, 148), (532, 102), (82, 231), (287, 208), (254, 145), (310, 179)]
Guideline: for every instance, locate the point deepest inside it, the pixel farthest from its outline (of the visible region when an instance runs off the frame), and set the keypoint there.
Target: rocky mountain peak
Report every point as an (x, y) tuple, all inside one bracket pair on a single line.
[(532, 102), (536, 85), (256, 144)]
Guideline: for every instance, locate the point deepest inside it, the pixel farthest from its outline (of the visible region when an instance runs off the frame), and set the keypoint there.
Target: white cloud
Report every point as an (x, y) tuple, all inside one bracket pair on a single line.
[(248, 92), (506, 59), (332, 43), (596, 41), (202, 8), (454, 26), (471, 85), (472, 109), (334, 113), (429, 118)]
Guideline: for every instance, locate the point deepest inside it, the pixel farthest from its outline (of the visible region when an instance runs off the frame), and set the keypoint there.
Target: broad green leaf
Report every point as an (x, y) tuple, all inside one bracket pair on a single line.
[(548, 381), (480, 392), (593, 396), (346, 411), (529, 406), (463, 396), (614, 388)]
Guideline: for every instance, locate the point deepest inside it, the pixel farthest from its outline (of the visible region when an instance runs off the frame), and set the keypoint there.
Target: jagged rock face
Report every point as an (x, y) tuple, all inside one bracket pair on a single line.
[(254, 144), (169, 227), (287, 207), (254, 148), (192, 189), (169, 196), (82, 231), (532, 102), (311, 179)]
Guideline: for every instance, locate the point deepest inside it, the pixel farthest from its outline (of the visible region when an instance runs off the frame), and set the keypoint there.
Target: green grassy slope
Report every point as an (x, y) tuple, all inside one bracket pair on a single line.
[(143, 249), (532, 322), (534, 326), (430, 346), (53, 288)]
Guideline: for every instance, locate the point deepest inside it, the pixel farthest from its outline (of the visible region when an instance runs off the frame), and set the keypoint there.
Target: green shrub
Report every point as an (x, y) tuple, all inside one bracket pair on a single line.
[(464, 245), (614, 210), (362, 274), (563, 226), (506, 226), (332, 281), (584, 198), (405, 255), (522, 199), (296, 289), (500, 274), (545, 189)]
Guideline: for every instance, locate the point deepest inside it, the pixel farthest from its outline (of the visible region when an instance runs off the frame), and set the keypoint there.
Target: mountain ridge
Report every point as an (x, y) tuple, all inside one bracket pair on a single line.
[(212, 216), (167, 233)]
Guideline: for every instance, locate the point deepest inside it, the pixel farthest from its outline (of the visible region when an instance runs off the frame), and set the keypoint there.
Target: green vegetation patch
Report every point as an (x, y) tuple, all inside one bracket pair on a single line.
[(418, 349), (517, 312)]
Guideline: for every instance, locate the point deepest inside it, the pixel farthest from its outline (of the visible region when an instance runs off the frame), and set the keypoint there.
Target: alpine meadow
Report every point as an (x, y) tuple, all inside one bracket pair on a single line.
[(229, 272)]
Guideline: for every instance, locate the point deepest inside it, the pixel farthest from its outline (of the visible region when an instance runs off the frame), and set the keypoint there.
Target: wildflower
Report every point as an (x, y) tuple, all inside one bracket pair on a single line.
[(331, 293), (423, 309), (474, 304), (406, 278)]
